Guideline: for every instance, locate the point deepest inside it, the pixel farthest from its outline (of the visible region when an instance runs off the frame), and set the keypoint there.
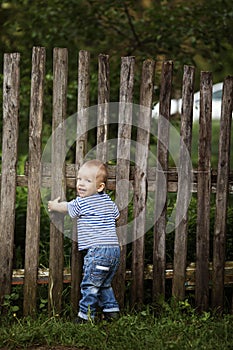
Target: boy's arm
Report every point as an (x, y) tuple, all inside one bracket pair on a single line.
[(60, 207)]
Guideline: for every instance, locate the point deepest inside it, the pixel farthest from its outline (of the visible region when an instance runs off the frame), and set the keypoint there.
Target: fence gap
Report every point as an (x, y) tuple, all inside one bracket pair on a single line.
[(203, 193), (58, 186), (123, 165), (11, 81), (81, 149), (159, 256), (34, 177), (140, 182), (184, 186), (222, 190)]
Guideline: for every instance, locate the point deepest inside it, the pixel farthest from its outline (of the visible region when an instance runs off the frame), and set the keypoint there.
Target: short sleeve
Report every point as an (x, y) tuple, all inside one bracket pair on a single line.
[(73, 208), (116, 211)]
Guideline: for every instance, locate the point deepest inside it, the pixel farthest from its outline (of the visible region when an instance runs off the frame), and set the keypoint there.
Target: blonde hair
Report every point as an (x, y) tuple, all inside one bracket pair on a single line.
[(102, 173)]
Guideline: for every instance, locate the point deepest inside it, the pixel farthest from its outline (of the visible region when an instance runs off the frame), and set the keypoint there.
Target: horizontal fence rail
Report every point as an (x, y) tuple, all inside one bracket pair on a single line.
[(43, 275), (139, 174), (172, 173)]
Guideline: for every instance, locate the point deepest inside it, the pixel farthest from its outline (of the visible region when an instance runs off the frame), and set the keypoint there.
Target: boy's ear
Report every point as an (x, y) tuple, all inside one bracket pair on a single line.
[(101, 187)]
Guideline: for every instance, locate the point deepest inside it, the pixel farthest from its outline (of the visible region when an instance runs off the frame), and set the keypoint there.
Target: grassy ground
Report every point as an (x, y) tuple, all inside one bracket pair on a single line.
[(169, 328)]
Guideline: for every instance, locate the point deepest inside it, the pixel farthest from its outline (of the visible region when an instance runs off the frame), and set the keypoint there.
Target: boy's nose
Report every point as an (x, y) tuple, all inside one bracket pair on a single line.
[(79, 183)]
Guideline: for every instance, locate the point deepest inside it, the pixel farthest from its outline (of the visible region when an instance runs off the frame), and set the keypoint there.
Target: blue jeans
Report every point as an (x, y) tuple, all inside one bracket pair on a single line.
[(100, 266)]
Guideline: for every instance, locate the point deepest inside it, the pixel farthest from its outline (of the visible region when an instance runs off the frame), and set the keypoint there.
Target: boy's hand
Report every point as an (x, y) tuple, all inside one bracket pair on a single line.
[(56, 205), (52, 205)]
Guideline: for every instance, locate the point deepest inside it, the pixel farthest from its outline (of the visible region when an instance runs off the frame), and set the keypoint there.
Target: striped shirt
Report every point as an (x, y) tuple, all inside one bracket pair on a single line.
[(96, 217)]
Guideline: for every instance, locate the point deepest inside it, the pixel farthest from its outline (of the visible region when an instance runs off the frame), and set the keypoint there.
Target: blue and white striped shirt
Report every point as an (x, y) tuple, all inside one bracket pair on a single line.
[(96, 216)]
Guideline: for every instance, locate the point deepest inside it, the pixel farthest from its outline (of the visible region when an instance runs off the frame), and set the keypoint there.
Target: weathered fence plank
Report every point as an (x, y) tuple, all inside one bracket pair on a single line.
[(159, 257), (103, 107), (184, 185), (58, 188), (81, 149), (140, 182), (34, 178), (83, 104), (203, 193), (219, 242), (123, 165), (11, 80)]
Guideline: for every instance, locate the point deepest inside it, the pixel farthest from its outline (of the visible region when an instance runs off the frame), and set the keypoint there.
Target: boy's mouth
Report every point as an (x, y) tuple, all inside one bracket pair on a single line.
[(81, 191)]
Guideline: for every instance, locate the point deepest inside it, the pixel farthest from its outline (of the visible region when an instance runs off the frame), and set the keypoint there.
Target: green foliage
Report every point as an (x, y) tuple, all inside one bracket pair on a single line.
[(162, 30), (192, 229), (166, 326), (9, 304)]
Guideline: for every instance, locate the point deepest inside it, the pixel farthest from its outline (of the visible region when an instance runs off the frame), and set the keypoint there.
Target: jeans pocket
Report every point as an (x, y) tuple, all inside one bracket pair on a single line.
[(99, 272)]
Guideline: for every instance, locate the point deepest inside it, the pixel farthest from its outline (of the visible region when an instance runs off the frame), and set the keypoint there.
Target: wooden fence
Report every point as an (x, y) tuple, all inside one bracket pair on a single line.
[(203, 274)]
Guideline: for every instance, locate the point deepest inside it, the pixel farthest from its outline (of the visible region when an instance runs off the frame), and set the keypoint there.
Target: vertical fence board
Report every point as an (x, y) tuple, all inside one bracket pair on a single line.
[(159, 258), (219, 243), (140, 182), (123, 165), (58, 186), (9, 162), (203, 193), (184, 186), (83, 104), (103, 107), (34, 174), (81, 146)]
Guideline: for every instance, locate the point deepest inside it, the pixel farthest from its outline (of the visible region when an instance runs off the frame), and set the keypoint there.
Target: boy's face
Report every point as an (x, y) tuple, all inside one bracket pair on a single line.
[(87, 181)]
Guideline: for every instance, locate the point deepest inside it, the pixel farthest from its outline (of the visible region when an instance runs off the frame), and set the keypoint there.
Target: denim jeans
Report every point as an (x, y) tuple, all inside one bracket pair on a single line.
[(100, 266)]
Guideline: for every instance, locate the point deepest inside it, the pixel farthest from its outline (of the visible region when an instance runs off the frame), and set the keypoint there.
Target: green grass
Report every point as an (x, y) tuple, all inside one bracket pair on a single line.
[(166, 327)]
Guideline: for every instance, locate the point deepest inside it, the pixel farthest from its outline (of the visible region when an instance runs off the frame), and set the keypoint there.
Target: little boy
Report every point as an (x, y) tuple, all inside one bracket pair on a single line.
[(96, 217)]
